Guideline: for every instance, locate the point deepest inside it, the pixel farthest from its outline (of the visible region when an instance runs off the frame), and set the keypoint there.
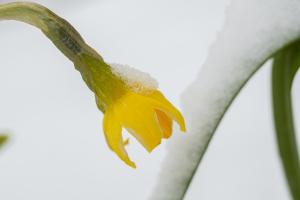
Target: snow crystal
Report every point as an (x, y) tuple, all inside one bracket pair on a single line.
[(253, 31), (137, 80)]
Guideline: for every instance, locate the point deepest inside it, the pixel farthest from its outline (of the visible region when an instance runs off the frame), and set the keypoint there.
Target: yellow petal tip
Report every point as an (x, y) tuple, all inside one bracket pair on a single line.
[(183, 127), (131, 164), (151, 148)]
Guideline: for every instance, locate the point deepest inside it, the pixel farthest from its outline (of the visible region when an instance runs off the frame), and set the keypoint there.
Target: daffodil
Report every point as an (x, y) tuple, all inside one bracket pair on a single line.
[(129, 99), (126, 101), (143, 112)]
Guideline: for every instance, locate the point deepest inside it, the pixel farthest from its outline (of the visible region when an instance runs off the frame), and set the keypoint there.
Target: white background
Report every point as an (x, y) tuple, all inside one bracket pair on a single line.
[(57, 148)]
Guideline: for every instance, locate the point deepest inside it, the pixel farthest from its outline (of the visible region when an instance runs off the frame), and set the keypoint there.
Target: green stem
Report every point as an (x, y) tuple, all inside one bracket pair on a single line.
[(95, 72), (285, 66), (58, 30)]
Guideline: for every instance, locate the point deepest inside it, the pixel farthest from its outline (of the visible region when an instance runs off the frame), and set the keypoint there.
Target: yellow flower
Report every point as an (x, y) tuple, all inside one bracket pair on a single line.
[(129, 99), (148, 117), (126, 101)]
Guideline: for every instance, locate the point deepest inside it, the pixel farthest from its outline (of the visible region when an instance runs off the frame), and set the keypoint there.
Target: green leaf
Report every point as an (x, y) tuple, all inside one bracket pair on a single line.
[(285, 65)]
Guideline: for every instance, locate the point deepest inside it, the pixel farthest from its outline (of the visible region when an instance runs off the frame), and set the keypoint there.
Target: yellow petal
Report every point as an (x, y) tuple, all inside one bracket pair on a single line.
[(113, 134), (139, 118), (161, 103), (165, 123)]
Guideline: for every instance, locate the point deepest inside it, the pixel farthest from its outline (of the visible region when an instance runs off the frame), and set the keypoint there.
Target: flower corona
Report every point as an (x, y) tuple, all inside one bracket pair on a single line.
[(148, 118)]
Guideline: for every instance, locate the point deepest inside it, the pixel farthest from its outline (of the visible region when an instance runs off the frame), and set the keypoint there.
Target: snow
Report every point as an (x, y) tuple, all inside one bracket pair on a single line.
[(137, 80), (253, 31)]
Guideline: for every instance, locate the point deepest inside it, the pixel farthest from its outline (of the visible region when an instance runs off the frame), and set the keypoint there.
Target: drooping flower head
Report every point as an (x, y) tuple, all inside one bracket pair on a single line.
[(127, 101), (142, 110)]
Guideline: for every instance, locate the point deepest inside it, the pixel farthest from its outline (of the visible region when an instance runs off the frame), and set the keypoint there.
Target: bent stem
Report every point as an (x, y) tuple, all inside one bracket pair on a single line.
[(95, 72), (285, 66), (59, 31)]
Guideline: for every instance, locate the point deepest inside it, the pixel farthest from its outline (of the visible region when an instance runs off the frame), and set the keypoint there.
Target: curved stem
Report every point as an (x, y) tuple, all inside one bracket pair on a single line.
[(59, 31), (94, 71), (285, 66)]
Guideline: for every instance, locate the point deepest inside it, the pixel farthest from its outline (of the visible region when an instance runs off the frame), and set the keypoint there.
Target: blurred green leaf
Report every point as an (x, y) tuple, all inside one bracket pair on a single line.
[(285, 65), (3, 140)]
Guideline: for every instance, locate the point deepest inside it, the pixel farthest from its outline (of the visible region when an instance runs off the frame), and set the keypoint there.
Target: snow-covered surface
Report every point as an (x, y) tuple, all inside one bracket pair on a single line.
[(135, 79), (253, 31)]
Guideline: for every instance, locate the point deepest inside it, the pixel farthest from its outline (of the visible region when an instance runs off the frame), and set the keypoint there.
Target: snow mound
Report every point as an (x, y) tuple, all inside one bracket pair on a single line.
[(137, 80)]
